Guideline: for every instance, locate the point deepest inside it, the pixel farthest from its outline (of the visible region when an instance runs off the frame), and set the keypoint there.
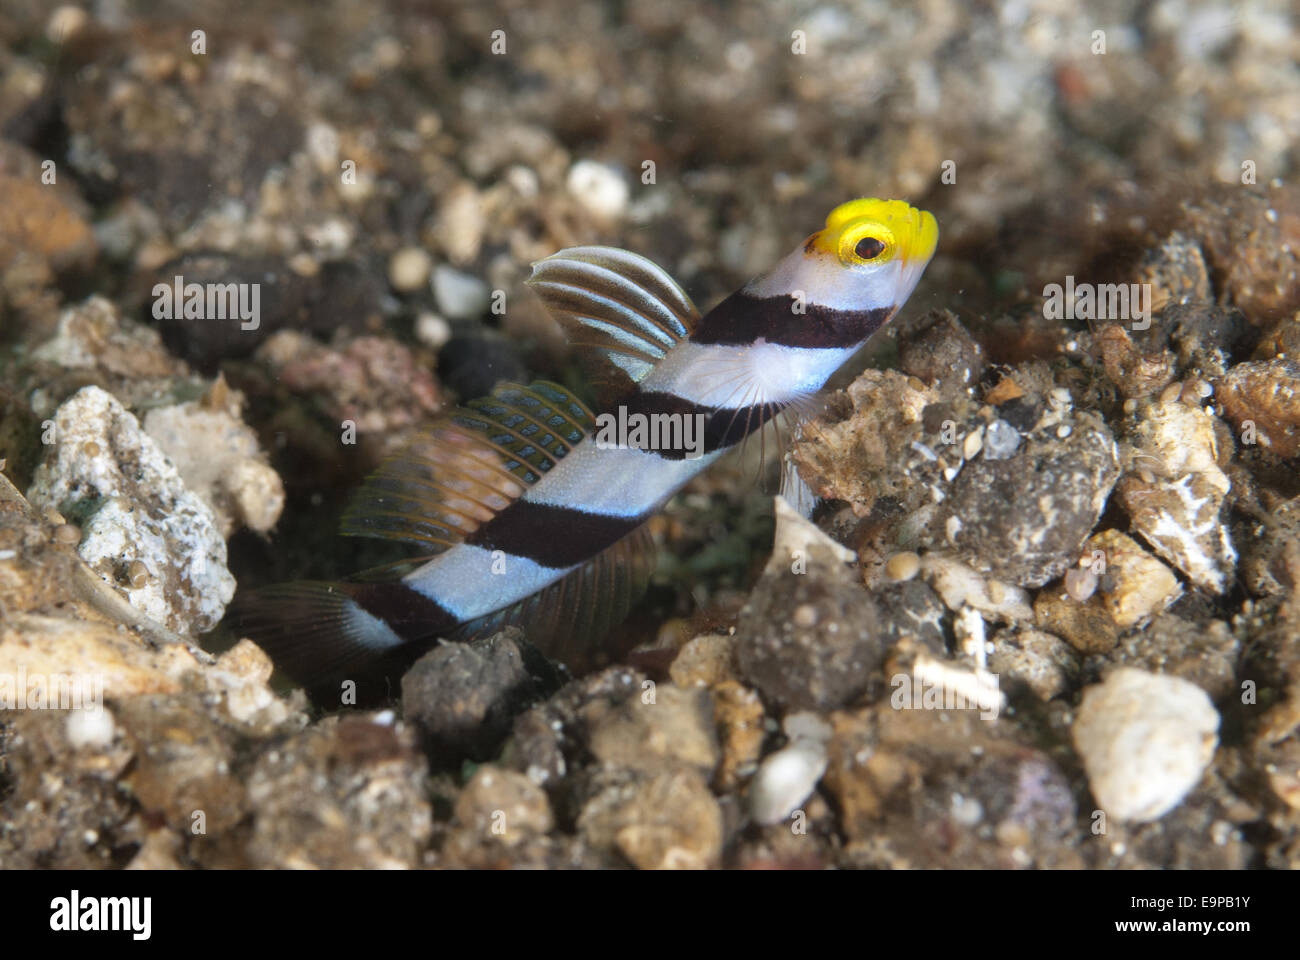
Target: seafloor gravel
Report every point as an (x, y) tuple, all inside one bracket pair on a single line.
[(1102, 513)]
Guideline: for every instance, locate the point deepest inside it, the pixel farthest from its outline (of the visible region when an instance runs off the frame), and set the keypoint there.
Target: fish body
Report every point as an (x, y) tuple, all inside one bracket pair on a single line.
[(530, 510)]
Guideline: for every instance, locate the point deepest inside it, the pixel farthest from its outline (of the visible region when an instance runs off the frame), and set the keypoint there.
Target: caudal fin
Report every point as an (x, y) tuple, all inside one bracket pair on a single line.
[(324, 636)]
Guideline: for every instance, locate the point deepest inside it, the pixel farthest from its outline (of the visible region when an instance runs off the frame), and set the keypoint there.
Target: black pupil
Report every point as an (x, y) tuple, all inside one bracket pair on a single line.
[(868, 248)]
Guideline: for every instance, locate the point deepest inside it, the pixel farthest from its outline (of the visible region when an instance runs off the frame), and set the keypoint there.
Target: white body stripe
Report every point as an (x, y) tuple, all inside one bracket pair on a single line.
[(620, 483), (615, 482), (462, 580), (744, 376), (370, 630)]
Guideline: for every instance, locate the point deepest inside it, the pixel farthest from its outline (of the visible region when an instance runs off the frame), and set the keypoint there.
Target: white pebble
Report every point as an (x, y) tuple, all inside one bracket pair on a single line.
[(90, 727), (1145, 740), (599, 188), (806, 726), (966, 811), (785, 780), (408, 269), (323, 146), (65, 22), (431, 330), (460, 296), (523, 180), (1080, 583), (333, 236), (1000, 441)]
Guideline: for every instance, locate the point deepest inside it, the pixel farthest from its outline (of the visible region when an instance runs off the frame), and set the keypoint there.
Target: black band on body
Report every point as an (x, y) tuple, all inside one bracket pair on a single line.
[(552, 536), (723, 427), (742, 319), (409, 613)]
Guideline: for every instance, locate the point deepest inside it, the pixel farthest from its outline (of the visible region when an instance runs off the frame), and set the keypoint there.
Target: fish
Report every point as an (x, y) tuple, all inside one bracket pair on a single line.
[(528, 509)]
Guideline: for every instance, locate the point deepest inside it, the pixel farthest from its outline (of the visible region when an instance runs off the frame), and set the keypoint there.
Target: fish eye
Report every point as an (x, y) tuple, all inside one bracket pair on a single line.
[(868, 248)]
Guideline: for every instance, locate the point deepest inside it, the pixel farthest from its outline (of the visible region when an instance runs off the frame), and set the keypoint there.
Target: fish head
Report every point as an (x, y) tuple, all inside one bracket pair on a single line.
[(849, 278)]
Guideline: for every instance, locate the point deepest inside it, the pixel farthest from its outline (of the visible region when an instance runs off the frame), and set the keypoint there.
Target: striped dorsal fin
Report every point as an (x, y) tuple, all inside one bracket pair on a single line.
[(458, 473), (622, 312), (568, 619)]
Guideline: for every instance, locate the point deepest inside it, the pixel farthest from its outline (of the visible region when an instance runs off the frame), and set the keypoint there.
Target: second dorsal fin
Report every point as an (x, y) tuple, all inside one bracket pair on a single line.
[(457, 474), (622, 312)]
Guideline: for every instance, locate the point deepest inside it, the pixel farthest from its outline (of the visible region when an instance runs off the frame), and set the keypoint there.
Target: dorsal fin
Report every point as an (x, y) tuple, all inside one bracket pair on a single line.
[(622, 312), (476, 460), (568, 619)]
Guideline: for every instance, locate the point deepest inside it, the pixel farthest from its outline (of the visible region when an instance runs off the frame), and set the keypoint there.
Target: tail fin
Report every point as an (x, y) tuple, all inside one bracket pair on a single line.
[(325, 636)]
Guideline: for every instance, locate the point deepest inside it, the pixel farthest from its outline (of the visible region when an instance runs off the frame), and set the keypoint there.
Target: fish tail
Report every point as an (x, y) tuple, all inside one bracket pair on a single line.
[(348, 643)]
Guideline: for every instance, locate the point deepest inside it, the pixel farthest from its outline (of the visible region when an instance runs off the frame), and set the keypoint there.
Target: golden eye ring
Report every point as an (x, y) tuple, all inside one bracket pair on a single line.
[(867, 243)]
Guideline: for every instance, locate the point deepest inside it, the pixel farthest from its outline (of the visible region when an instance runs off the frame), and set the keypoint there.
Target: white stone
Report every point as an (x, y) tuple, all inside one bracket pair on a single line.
[(600, 188), (960, 586), (431, 330), (90, 727), (1185, 494), (323, 147), (459, 296), (785, 779), (1145, 740), (806, 726), (409, 268), (219, 458), (110, 477), (65, 22)]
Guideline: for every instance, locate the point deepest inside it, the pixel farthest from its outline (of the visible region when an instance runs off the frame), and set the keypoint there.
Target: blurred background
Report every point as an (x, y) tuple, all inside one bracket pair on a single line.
[(1061, 125)]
